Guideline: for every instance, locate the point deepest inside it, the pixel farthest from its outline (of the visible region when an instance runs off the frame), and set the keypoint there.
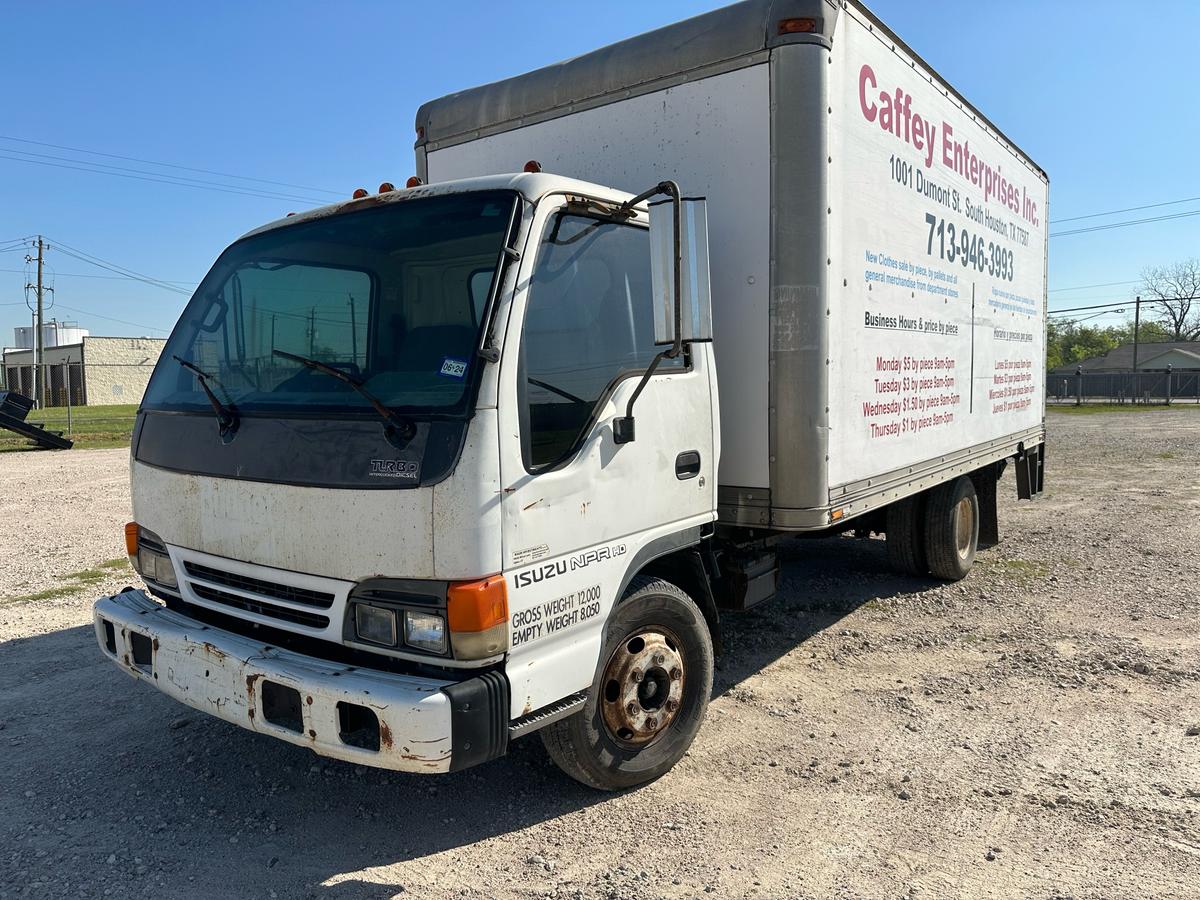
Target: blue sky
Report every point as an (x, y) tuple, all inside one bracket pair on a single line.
[(323, 95)]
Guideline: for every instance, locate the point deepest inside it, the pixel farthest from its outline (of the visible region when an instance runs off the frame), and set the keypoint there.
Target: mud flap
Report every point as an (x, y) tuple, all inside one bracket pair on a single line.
[(1030, 465)]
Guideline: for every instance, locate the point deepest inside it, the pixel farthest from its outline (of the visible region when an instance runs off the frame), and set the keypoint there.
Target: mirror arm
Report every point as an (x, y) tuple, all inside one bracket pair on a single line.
[(624, 429)]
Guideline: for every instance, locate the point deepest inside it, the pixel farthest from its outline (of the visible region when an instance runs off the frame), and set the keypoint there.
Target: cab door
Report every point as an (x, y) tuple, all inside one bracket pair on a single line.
[(578, 509)]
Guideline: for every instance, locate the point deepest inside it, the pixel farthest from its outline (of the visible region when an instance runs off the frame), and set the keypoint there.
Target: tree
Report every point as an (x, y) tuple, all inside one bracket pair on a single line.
[(1176, 288), (1069, 342)]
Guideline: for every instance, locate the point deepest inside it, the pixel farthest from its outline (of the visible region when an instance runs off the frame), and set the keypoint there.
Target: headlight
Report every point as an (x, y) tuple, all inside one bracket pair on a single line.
[(375, 624), (425, 631), (149, 556)]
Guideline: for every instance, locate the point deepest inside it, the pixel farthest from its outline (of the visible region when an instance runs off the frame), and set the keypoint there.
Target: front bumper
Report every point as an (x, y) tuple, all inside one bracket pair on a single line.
[(373, 718)]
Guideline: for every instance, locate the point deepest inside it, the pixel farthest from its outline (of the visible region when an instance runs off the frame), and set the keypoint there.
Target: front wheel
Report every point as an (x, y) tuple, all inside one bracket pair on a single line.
[(649, 696)]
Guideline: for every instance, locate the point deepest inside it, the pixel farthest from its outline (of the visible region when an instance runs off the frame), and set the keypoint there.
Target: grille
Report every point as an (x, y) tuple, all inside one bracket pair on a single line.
[(303, 596), (262, 608)]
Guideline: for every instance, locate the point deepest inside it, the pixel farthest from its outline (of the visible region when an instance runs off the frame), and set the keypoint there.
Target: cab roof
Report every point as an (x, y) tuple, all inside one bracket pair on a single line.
[(532, 186)]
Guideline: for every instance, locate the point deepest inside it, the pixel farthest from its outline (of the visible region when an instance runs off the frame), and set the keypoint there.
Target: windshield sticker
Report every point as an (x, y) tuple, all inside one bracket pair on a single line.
[(395, 468), (453, 368)]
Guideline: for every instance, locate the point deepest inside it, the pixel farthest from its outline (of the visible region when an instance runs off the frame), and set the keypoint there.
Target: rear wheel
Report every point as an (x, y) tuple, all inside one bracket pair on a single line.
[(952, 529), (905, 529), (650, 693)]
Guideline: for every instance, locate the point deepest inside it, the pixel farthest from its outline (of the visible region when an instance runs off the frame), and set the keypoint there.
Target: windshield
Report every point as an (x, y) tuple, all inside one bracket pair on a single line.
[(392, 296)]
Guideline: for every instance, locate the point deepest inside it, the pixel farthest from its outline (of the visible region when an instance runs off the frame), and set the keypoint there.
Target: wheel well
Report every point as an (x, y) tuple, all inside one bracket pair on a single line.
[(686, 569)]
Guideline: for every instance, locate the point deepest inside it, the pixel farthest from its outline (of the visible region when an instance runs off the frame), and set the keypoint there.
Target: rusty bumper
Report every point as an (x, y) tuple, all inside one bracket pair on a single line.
[(367, 717)]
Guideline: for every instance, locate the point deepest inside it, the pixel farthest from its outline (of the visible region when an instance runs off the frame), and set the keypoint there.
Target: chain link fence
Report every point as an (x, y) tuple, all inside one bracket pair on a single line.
[(1123, 387)]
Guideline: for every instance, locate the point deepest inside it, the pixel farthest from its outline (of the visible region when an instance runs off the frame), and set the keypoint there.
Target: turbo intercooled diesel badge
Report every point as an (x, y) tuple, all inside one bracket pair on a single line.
[(394, 468)]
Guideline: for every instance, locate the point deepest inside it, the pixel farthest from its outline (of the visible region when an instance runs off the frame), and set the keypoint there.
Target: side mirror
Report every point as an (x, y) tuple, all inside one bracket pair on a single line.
[(679, 283), (679, 271)]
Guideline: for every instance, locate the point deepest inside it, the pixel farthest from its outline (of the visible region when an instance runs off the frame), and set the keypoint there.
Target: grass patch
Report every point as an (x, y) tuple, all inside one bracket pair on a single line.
[(1018, 569), (1094, 409), (72, 583), (92, 427)]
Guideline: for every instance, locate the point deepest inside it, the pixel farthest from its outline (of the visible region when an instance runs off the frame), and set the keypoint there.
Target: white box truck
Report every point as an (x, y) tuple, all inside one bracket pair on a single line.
[(428, 470)]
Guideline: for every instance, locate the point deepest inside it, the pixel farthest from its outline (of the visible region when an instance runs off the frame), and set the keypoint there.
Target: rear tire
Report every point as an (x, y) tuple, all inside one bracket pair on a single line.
[(952, 529), (649, 696), (905, 531)]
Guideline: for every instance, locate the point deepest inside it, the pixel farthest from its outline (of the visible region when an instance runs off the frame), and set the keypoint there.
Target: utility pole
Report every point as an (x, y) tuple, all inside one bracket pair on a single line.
[(40, 374), (39, 393), (1137, 316)]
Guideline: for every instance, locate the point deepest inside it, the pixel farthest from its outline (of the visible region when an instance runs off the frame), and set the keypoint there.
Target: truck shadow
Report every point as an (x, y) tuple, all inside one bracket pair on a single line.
[(823, 581), (182, 803)]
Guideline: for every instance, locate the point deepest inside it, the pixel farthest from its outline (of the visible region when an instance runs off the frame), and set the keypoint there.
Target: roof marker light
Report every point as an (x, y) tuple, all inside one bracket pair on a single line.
[(533, 166), (413, 181), (359, 193), (797, 26), (386, 187)]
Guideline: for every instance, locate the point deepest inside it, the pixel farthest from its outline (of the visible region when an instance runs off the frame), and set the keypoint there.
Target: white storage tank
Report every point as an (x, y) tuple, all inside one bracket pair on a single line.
[(54, 334)]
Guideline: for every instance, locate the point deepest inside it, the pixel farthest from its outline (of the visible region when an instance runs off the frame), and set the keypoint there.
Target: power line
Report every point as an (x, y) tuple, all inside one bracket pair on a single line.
[(87, 167), (1113, 212), (152, 162), (104, 277), (1126, 224), (1081, 287), (95, 315), (102, 263), (1055, 312), (182, 180)]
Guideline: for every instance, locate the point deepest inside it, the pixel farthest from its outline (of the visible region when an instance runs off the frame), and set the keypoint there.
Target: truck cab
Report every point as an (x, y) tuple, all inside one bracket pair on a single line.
[(387, 488)]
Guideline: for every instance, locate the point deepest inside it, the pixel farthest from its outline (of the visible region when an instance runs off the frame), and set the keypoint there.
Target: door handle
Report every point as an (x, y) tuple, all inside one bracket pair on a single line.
[(687, 465)]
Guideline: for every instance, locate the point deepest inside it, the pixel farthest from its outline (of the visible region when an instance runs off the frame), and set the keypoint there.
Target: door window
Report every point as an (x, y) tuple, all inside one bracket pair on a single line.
[(589, 322)]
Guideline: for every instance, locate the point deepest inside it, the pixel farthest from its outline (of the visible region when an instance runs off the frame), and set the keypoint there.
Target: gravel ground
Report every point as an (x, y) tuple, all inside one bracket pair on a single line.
[(1022, 733)]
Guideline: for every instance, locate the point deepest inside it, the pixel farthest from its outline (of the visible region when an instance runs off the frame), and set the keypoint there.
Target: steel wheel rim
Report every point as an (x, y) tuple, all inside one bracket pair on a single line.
[(641, 690), (964, 532)]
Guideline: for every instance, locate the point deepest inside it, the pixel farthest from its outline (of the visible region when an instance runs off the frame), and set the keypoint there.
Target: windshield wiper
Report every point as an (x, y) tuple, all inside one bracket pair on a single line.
[(227, 420), (398, 430)]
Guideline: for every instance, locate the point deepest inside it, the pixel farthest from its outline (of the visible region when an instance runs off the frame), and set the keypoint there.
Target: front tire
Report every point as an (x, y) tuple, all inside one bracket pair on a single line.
[(650, 693)]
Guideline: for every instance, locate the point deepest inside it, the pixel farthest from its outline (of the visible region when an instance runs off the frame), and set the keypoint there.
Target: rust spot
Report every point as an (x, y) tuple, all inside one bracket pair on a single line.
[(209, 648), (154, 644), (252, 713), (309, 700), (385, 736), (250, 679), (127, 662), (312, 734), (532, 505)]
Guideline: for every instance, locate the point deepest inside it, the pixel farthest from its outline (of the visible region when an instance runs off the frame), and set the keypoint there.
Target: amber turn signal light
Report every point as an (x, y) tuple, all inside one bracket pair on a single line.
[(131, 538), (477, 605), (477, 613)]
